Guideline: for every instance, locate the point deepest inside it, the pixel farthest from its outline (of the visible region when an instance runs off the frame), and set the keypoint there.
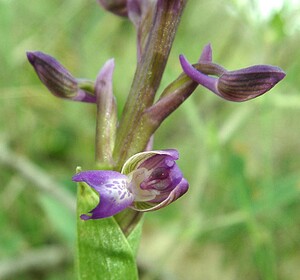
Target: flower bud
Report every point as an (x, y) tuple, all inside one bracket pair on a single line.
[(117, 7), (248, 83), (239, 85), (57, 79)]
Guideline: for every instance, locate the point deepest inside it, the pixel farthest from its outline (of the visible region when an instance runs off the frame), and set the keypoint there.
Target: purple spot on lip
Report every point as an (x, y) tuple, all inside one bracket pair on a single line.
[(122, 196)]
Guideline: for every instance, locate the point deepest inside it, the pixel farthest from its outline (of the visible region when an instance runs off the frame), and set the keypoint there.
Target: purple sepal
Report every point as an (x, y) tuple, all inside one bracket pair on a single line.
[(112, 189), (57, 79)]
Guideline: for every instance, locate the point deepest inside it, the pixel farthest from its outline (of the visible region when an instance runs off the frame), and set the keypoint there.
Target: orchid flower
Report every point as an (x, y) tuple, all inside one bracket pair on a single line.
[(239, 85), (148, 181)]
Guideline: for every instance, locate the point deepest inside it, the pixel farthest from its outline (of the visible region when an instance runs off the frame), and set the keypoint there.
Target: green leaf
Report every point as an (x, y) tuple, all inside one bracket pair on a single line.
[(103, 252)]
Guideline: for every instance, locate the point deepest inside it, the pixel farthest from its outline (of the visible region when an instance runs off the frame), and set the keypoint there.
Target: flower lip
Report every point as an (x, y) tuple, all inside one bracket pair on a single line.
[(111, 187)]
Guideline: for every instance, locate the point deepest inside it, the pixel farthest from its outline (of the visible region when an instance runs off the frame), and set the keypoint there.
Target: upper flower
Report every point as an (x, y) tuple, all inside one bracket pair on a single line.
[(148, 181), (239, 85)]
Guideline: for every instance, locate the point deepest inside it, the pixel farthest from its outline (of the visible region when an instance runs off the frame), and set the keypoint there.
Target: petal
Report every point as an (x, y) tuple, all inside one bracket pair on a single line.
[(112, 189), (176, 193)]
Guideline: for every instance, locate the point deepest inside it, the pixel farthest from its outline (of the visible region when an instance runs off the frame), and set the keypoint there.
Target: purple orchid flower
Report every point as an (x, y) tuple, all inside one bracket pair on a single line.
[(239, 85), (148, 181), (59, 80)]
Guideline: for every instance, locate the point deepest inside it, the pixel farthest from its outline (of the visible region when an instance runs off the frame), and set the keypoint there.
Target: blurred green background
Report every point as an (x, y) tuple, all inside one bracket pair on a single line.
[(240, 218)]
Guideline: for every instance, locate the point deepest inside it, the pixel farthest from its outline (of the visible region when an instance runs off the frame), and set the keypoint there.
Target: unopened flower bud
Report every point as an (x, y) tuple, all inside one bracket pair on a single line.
[(248, 83), (117, 7), (57, 79), (239, 85)]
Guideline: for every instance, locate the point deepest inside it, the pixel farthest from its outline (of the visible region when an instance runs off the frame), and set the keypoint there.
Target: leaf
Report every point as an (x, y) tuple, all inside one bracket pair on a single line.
[(103, 252)]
